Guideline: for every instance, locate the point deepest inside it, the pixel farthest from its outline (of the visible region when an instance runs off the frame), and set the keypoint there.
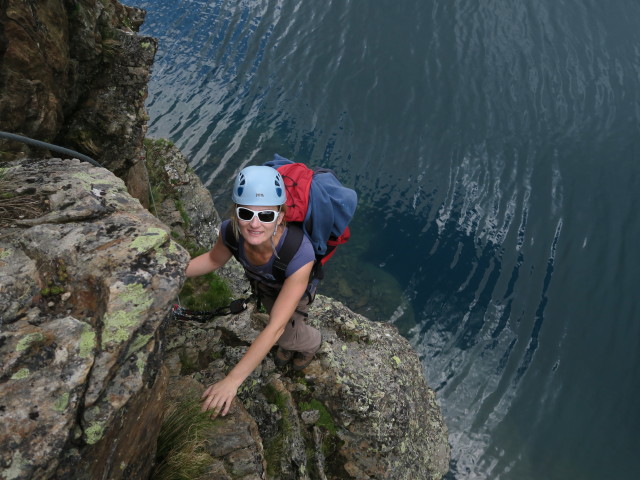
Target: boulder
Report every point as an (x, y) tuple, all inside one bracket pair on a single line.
[(87, 277), (371, 381), (361, 409)]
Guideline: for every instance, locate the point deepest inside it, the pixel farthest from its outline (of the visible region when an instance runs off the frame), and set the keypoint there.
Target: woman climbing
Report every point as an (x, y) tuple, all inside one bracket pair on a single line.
[(259, 231)]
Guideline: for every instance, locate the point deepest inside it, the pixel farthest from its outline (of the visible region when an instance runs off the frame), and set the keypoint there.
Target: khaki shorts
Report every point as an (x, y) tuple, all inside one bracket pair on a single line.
[(297, 335)]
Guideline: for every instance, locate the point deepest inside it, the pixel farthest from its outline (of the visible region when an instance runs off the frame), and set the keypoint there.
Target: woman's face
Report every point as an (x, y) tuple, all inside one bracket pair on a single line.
[(254, 231)]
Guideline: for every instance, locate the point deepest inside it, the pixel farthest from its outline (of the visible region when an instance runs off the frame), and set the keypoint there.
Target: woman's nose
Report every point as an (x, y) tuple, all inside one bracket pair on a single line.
[(254, 221)]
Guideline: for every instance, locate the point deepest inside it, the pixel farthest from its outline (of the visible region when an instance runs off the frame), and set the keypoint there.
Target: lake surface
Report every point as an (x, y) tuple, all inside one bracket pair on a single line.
[(495, 148)]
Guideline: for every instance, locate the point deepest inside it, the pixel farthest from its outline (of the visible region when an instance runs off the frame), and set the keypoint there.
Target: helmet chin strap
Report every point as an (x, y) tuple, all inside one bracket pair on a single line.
[(275, 230), (273, 246)]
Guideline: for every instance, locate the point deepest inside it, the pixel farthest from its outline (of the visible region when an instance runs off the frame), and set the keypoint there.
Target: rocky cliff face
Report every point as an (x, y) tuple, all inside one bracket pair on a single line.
[(86, 279), (74, 73), (178, 197), (362, 409), (88, 354)]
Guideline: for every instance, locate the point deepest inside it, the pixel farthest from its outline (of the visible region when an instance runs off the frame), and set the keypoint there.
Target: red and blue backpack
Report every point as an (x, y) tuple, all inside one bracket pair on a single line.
[(318, 205)]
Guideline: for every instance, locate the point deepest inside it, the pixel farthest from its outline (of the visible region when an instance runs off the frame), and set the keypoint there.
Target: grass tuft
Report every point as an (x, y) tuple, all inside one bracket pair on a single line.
[(181, 452), (15, 206), (275, 447), (325, 420), (207, 292)]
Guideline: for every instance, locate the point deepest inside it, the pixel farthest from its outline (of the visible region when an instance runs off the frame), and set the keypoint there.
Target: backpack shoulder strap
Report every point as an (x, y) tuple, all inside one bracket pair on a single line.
[(287, 251), (230, 240)]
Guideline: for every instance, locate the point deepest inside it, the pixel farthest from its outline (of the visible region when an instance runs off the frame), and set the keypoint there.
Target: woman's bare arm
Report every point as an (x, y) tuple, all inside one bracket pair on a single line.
[(218, 396), (210, 261)]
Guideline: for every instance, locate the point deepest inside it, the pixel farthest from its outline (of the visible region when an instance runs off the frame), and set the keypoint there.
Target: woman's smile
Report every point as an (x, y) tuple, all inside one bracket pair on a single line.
[(254, 231)]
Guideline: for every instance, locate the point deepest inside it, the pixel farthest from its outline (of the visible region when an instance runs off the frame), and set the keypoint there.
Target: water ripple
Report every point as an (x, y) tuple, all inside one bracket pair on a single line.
[(494, 149)]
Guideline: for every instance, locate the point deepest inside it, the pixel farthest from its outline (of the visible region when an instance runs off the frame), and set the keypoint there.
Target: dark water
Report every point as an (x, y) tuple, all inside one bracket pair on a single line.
[(495, 147)]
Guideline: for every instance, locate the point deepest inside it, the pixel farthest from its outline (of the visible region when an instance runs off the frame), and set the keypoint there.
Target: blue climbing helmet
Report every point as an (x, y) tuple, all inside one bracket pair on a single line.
[(259, 186)]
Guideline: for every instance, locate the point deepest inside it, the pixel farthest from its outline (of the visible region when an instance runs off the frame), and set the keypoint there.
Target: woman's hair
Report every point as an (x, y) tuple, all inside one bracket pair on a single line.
[(234, 219)]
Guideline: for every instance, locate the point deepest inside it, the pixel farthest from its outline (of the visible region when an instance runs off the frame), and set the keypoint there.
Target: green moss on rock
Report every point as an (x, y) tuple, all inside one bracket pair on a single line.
[(325, 420), (207, 292), (28, 340), (21, 374), (275, 447), (94, 433), (61, 403), (87, 342)]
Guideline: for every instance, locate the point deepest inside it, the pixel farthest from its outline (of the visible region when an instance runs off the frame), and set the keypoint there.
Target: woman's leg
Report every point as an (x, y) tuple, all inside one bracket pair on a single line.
[(297, 335)]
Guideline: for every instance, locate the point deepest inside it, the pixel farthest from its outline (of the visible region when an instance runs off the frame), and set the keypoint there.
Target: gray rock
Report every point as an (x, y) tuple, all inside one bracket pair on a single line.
[(77, 74), (185, 205), (17, 276), (45, 368), (363, 400), (77, 369), (371, 381), (310, 417)]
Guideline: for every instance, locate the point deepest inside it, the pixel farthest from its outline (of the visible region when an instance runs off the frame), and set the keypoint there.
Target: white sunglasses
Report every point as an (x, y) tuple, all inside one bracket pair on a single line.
[(265, 216)]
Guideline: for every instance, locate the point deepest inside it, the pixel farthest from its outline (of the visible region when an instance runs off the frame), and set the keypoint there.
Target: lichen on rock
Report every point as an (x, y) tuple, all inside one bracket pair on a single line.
[(92, 354)]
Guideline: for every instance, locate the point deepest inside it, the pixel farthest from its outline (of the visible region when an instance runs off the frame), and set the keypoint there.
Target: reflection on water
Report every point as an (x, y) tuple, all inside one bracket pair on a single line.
[(366, 288), (494, 148)]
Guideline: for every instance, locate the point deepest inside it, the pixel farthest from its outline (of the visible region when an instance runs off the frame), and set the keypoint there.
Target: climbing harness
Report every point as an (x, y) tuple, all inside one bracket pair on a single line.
[(204, 316)]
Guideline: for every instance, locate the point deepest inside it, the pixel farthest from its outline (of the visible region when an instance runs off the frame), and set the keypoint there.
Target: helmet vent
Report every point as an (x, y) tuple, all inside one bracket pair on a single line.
[(278, 186)]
